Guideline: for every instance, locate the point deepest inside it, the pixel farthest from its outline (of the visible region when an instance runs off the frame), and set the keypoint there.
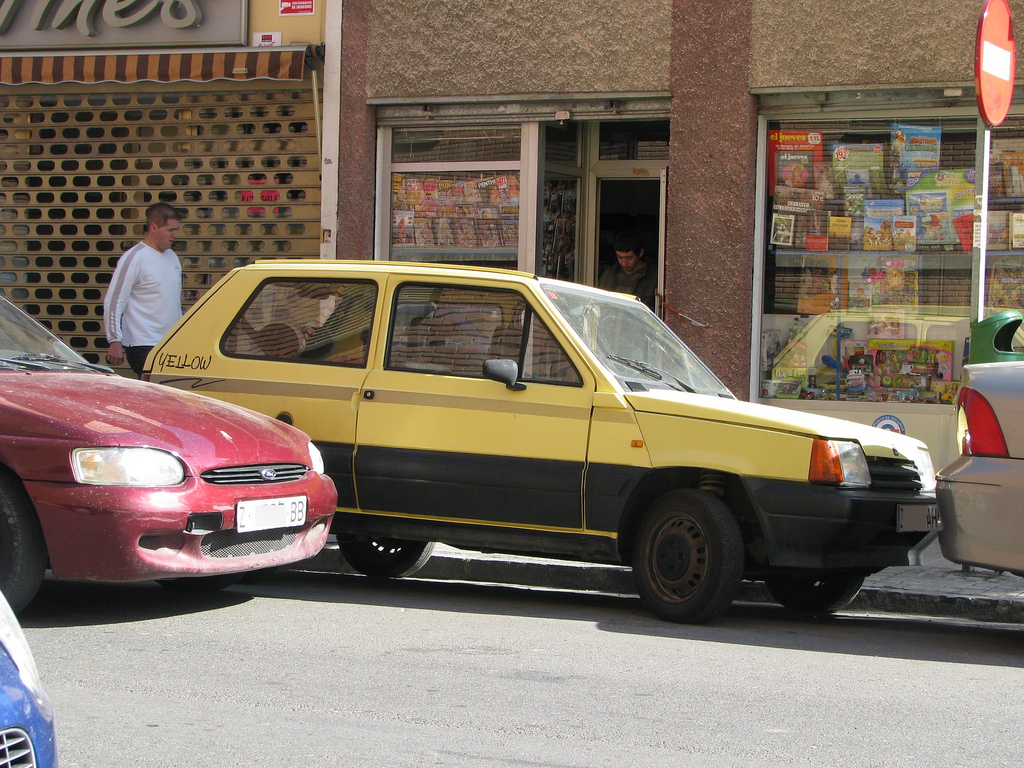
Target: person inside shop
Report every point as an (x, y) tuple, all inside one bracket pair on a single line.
[(630, 273), (143, 299)]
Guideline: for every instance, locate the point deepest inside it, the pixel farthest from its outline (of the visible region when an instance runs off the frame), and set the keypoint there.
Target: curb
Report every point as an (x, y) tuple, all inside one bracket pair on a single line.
[(450, 564)]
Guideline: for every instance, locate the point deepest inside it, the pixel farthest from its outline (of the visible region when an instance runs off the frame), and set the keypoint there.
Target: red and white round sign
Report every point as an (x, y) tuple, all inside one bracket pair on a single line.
[(995, 61)]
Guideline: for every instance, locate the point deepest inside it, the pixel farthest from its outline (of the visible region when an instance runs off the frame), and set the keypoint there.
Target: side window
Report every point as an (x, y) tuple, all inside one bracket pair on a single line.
[(453, 330), (321, 321), (545, 360)]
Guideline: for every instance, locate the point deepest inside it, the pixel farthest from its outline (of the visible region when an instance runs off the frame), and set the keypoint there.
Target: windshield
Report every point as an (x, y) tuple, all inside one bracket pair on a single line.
[(27, 345), (631, 341)]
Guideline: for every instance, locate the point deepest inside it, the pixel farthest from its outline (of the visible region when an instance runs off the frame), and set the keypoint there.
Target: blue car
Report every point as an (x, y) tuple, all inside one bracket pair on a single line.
[(26, 717)]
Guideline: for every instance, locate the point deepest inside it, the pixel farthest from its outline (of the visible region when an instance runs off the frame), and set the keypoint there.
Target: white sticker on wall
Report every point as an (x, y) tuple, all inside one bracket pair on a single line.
[(891, 423)]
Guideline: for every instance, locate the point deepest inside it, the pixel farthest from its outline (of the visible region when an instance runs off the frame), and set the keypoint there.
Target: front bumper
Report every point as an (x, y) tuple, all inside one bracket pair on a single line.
[(828, 528), (982, 502), (105, 533)]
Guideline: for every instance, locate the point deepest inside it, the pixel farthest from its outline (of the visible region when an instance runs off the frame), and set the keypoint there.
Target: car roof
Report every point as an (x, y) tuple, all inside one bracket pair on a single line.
[(283, 266)]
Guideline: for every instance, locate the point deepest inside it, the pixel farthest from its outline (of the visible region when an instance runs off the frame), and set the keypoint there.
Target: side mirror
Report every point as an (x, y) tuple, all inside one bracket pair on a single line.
[(504, 371)]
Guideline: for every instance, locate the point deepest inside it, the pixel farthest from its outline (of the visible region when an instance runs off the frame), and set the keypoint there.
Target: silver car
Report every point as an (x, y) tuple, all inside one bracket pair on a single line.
[(981, 494)]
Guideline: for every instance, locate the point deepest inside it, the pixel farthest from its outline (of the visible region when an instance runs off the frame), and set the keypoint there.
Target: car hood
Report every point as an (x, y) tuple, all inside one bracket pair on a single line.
[(875, 441), (90, 409)]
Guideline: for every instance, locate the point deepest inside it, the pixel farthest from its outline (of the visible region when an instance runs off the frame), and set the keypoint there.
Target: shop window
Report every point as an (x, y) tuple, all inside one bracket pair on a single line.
[(439, 212), (1004, 274), (469, 217), (867, 288)]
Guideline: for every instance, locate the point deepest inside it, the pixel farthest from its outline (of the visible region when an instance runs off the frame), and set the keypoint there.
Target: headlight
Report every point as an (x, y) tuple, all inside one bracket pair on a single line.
[(126, 466), (839, 462), (926, 469), (316, 461), (13, 641)]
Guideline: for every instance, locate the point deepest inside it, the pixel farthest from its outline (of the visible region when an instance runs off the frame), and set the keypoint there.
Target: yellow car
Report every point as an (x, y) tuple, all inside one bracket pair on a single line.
[(500, 411)]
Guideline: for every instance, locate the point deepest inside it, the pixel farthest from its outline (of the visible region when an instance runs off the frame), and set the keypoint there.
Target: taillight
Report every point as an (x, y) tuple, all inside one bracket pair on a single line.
[(977, 428)]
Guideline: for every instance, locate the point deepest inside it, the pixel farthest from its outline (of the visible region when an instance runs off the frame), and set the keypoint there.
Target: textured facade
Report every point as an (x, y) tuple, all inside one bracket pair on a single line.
[(447, 49), (800, 44)]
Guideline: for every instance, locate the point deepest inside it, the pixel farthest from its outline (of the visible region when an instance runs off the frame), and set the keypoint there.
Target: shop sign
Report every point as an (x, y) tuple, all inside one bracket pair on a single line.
[(296, 8), (995, 61), (64, 24)]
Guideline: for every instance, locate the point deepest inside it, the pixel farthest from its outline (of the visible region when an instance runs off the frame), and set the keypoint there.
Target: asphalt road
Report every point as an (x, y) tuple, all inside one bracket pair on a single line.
[(337, 670)]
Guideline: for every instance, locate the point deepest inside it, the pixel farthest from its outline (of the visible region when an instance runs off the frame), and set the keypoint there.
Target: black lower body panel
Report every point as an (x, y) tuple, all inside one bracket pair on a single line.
[(831, 528)]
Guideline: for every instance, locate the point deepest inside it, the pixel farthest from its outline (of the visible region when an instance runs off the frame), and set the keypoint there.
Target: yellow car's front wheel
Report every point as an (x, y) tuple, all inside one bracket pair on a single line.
[(688, 557)]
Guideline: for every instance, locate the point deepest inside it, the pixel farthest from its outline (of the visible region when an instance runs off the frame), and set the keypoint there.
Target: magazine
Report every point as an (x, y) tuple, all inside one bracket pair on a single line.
[(937, 199), (402, 228), (1013, 173), (883, 207), (859, 165), (806, 207), (444, 232), (998, 230), (878, 233), (809, 143), (782, 229), (795, 168), (1017, 230), (904, 233), (839, 230), (913, 154)]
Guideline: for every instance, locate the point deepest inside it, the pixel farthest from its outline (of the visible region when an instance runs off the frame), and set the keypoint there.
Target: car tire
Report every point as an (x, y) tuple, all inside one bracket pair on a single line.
[(210, 583), (22, 545), (388, 558), (688, 557), (822, 592)]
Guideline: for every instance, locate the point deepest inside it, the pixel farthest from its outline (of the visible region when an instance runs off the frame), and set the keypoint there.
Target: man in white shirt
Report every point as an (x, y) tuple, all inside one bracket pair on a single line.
[(143, 299)]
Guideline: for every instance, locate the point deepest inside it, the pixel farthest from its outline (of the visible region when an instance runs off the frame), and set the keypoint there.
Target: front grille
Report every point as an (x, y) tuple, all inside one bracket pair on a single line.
[(16, 749), (894, 474), (255, 473), (229, 543)]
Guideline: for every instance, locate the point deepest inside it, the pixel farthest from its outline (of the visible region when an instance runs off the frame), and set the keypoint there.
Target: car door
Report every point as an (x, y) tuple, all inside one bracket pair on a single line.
[(297, 349), (437, 439)]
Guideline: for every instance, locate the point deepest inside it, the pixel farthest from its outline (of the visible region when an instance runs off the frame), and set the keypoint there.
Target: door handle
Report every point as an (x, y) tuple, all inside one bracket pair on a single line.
[(368, 394)]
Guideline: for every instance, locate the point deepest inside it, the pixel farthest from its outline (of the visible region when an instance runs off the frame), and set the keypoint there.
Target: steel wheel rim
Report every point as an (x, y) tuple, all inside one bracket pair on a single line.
[(678, 559)]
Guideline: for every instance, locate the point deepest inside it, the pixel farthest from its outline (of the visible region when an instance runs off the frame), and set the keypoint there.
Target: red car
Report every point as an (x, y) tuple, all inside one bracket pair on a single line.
[(111, 479)]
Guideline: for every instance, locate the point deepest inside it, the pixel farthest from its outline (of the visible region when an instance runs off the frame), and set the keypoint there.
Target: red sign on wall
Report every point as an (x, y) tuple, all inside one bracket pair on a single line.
[(995, 61), (296, 8)]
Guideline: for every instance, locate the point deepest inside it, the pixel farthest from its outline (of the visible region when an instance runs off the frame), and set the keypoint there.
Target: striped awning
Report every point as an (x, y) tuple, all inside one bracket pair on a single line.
[(285, 63)]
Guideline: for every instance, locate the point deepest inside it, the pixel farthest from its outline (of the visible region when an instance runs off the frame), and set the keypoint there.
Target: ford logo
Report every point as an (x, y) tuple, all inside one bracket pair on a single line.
[(268, 474)]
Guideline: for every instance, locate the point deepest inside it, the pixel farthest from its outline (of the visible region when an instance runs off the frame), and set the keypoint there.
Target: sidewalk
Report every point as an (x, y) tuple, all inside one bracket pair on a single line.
[(936, 588)]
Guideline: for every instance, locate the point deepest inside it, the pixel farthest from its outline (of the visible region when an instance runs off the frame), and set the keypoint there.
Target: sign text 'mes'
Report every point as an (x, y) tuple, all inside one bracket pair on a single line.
[(78, 23)]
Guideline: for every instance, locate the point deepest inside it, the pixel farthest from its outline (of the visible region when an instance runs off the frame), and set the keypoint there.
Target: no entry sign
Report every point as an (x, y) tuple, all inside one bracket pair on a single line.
[(995, 61)]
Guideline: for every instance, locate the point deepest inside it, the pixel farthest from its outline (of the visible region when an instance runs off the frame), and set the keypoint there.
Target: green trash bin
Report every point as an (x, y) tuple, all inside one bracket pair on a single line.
[(992, 338)]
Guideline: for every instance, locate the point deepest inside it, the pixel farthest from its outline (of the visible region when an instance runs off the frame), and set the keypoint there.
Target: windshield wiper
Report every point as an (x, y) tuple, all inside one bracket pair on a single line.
[(39, 361), (655, 373)]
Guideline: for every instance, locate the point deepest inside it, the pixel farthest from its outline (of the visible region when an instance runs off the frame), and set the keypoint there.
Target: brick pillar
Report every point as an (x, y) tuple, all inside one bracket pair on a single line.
[(356, 164), (709, 239)]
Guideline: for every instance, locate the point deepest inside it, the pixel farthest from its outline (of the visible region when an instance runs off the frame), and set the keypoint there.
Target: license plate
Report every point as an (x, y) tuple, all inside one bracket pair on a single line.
[(918, 517), (263, 514)]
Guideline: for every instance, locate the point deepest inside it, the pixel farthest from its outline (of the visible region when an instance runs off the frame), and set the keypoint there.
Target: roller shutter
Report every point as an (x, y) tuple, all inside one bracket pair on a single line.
[(80, 164)]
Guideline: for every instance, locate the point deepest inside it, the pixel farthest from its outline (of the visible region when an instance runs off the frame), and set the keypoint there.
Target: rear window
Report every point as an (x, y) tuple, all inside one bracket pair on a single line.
[(314, 321)]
